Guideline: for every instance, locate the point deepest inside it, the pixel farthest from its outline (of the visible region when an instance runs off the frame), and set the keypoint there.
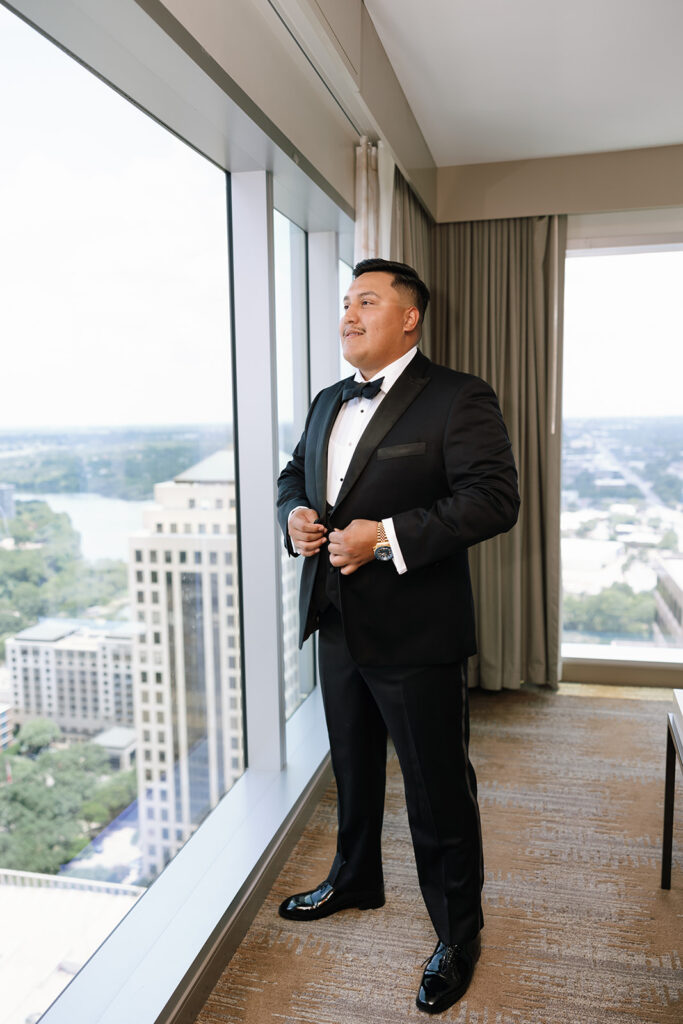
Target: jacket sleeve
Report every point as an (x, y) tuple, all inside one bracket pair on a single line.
[(291, 485), (482, 481)]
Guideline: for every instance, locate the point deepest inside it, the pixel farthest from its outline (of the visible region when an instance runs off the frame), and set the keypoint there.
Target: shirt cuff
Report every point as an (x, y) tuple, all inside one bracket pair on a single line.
[(401, 566), (295, 509)]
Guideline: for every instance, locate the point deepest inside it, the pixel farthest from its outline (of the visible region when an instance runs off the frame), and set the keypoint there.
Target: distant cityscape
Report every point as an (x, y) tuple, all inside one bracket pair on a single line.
[(622, 532), (150, 673), (136, 655)]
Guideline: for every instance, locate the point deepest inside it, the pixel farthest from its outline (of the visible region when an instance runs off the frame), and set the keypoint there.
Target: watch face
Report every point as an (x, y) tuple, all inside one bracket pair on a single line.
[(384, 553)]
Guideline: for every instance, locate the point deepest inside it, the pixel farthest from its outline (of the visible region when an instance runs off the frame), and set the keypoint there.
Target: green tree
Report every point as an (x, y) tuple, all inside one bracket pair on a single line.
[(117, 792), (36, 522), (10, 618), (29, 601), (35, 736), (81, 585), (21, 567), (53, 580), (669, 541), (42, 819), (96, 812), (42, 846), (615, 611), (111, 796)]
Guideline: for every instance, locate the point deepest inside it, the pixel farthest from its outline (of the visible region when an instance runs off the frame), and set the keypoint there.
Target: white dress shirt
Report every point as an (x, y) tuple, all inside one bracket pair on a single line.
[(351, 421)]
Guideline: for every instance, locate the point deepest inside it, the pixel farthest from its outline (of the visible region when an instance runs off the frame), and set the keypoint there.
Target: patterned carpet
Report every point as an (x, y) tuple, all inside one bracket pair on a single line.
[(577, 929)]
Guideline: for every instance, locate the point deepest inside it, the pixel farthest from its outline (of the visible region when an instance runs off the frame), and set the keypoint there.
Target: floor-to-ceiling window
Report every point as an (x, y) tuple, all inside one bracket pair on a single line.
[(119, 585), (140, 571), (622, 479)]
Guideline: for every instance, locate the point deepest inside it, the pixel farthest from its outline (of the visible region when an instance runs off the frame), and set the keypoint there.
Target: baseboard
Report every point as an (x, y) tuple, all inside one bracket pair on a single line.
[(620, 673)]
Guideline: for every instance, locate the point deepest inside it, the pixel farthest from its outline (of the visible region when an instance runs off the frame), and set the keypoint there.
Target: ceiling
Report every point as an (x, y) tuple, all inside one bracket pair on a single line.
[(492, 80)]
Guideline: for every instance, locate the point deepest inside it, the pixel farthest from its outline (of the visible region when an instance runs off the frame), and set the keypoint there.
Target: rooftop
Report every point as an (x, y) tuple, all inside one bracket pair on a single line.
[(51, 927), (218, 468), (51, 630), (117, 738)]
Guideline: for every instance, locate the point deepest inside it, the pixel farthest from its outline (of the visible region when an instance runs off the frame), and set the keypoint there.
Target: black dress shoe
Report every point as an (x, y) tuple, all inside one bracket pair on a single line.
[(447, 975), (326, 900)]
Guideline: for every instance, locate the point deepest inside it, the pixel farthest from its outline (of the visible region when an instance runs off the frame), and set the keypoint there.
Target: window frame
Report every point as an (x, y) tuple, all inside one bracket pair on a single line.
[(604, 234)]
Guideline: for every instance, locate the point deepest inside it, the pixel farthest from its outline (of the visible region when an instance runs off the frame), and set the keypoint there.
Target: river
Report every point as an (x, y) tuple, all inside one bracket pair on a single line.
[(103, 523)]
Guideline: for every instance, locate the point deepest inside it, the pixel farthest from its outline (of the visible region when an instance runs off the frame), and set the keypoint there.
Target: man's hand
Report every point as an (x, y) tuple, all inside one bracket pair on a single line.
[(352, 547), (306, 535)]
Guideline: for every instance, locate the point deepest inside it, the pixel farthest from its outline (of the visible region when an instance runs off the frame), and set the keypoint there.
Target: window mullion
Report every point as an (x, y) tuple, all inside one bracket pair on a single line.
[(257, 466), (323, 308)]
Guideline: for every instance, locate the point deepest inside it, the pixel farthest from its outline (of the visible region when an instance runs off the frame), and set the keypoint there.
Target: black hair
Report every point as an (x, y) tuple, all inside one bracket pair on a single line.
[(404, 277)]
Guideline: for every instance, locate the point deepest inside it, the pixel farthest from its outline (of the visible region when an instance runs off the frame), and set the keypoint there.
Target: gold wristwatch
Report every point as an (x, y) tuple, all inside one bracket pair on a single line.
[(382, 549)]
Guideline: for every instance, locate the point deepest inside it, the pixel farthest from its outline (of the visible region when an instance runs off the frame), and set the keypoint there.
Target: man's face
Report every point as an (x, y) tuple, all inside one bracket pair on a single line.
[(377, 323)]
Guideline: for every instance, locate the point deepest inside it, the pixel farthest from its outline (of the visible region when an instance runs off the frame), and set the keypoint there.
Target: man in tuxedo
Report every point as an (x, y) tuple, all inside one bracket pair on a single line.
[(399, 470)]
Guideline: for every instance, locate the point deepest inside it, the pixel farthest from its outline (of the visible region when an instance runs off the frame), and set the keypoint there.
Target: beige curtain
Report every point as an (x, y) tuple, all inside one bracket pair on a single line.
[(366, 233), (498, 303), (412, 237)]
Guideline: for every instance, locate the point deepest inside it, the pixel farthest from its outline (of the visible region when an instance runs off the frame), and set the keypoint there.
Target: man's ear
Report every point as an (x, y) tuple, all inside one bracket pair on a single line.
[(411, 319)]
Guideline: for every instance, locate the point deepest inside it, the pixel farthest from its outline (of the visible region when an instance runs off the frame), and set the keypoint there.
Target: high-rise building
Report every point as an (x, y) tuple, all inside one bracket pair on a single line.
[(188, 699), (293, 671), (7, 506), (669, 599), (6, 724), (186, 664), (75, 672)]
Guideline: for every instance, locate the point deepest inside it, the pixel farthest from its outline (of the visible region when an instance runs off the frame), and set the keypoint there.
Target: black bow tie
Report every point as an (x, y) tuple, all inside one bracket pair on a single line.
[(356, 389)]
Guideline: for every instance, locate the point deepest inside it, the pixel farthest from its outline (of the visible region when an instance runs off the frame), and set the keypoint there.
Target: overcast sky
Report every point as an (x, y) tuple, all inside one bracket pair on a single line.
[(114, 305), (623, 337), (113, 258)]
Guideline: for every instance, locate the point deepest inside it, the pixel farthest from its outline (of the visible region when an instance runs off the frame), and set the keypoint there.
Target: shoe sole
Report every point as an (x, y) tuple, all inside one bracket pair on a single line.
[(353, 903), (445, 1004)]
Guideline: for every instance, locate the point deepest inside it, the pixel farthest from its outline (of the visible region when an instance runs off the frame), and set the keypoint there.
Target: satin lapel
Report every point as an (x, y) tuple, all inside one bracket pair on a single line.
[(328, 416), (405, 390)]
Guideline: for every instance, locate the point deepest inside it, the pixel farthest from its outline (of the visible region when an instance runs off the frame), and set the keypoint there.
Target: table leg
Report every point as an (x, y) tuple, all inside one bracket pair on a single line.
[(669, 789)]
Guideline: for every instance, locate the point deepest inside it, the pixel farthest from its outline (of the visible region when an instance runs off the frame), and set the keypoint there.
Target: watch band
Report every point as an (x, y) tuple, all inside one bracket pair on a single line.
[(382, 549)]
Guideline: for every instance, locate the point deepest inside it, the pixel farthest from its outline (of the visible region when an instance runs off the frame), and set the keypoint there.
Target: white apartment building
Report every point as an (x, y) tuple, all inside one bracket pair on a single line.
[(186, 660), (186, 665), (77, 673), (293, 670), (7, 504), (669, 599), (6, 726)]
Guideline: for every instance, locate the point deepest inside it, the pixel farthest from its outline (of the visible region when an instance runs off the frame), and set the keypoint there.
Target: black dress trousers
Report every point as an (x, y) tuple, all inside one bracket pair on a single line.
[(425, 711)]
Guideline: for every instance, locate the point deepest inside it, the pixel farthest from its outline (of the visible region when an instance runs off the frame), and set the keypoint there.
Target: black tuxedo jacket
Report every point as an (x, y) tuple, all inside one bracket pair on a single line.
[(437, 458)]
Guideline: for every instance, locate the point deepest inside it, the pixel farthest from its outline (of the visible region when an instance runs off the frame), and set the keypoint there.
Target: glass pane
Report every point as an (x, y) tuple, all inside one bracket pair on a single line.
[(118, 550), (622, 514), (345, 272), (291, 329)]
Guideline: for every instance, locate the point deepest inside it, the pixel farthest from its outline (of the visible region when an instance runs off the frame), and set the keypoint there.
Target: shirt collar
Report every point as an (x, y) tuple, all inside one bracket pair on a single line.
[(390, 373)]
